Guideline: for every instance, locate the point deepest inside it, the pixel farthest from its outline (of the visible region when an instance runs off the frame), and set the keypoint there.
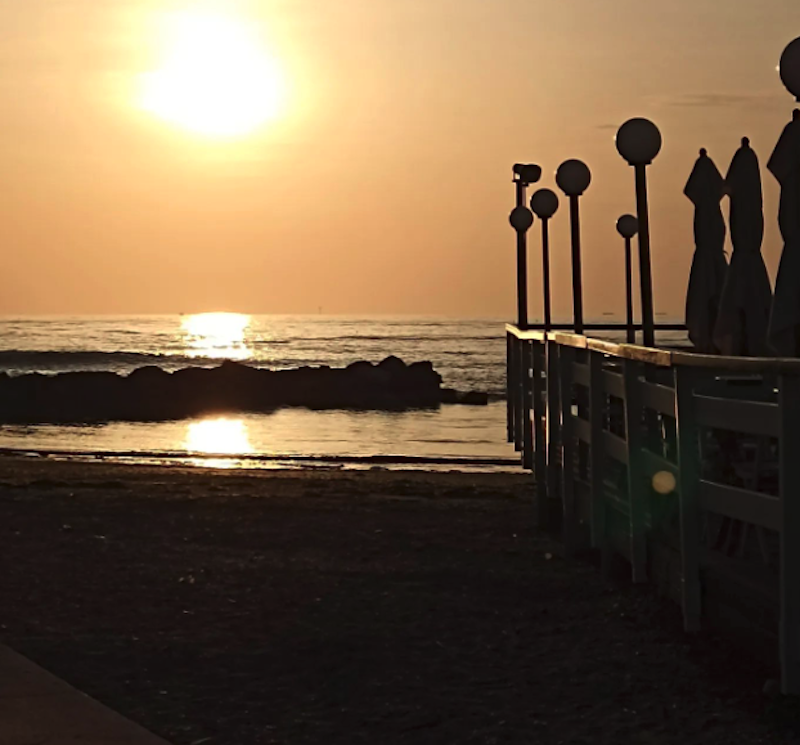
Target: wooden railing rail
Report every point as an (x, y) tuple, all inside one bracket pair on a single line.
[(673, 459)]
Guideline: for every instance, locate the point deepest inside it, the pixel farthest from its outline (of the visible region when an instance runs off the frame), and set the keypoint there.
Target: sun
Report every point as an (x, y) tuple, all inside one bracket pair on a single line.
[(216, 78)]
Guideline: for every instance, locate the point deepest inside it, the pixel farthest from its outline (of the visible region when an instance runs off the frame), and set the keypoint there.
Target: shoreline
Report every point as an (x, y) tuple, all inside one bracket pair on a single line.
[(275, 462), (247, 607)]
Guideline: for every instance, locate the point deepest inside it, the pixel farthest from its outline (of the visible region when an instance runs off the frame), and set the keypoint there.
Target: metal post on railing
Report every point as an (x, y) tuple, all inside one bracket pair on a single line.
[(573, 178), (627, 227), (527, 405), (789, 475), (570, 526), (510, 386), (553, 424), (521, 219), (639, 141), (637, 486), (539, 431), (688, 495), (544, 204), (596, 413)]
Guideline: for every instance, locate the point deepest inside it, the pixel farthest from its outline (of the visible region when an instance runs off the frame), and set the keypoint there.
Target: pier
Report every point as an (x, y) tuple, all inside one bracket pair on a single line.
[(626, 444), (682, 460)]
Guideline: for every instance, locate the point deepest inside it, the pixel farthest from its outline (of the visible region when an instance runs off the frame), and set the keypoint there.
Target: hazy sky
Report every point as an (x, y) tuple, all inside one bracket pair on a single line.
[(382, 185)]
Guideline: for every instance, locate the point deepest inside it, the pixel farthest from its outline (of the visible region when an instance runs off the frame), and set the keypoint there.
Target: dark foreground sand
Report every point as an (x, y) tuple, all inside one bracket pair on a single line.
[(232, 608)]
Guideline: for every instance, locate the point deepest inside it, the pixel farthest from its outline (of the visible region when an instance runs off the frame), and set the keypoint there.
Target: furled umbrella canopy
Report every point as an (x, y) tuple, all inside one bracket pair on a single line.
[(784, 322), (705, 189), (744, 308)]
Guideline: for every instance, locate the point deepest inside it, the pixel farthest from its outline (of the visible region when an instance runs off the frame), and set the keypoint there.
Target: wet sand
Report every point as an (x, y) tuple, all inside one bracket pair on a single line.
[(233, 608)]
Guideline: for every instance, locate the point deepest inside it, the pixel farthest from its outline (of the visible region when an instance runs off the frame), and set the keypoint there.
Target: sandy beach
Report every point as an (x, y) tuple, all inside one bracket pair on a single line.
[(236, 608)]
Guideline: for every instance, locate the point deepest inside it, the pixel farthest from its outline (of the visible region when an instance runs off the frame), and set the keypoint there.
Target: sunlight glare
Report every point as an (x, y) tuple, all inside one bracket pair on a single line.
[(218, 437), (217, 79), (217, 335)]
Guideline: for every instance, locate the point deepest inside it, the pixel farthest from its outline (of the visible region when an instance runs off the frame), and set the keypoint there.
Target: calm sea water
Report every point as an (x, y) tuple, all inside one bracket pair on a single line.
[(469, 354)]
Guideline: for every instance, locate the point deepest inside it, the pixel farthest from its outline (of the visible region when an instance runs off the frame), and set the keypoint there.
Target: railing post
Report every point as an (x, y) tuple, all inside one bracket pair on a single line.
[(567, 359), (688, 488), (517, 394), (527, 404), (553, 422), (636, 485), (510, 387), (540, 441), (789, 406), (596, 406)]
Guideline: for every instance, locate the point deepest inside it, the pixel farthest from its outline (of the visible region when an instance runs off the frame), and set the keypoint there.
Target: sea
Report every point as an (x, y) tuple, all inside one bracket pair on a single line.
[(469, 354)]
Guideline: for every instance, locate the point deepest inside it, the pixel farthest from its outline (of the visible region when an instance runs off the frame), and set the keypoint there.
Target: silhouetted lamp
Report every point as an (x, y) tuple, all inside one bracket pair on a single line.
[(639, 141), (789, 68), (627, 227), (521, 219), (544, 204), (573, 178), (524, 175)]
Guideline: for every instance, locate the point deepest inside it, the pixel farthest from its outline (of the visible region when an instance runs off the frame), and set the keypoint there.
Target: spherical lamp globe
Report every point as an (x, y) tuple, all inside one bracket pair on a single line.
[(544, 204), (790, 68), (573, 177), (638, 141), (627, 226), (521, 219)]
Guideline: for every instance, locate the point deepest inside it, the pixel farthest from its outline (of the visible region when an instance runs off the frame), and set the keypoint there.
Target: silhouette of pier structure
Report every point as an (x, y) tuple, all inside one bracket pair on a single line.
[(685, 461)]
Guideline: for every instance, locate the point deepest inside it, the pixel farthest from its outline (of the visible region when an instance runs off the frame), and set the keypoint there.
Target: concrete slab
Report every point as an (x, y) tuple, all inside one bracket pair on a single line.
[(37, 708)]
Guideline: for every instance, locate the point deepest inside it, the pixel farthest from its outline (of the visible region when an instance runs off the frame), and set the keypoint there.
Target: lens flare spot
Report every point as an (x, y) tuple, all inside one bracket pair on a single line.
[(664, 482)]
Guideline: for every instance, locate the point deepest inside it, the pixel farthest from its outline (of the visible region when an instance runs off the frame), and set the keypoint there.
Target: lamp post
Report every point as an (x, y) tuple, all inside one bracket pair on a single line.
[(544, 204), (639, 141), (524, 175), (627, 227), (573, 178), (521, 219)]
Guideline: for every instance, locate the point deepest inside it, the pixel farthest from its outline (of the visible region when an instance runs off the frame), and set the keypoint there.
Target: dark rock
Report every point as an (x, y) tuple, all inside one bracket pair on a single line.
[(468, 398), (449, 396), (393, 364), (152, 394), (475, 398)]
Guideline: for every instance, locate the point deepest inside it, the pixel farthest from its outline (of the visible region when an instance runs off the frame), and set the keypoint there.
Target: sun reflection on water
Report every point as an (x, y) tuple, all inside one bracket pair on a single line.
[(220, 436), (217, 335)]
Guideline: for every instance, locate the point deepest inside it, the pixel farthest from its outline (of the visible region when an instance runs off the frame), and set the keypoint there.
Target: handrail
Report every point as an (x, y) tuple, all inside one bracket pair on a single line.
[(660, 357), (635, 463)]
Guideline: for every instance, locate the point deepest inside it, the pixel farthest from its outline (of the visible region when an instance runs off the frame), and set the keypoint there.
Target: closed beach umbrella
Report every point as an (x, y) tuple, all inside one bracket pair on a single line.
[(705, 189), (784, 322), (744, 308)]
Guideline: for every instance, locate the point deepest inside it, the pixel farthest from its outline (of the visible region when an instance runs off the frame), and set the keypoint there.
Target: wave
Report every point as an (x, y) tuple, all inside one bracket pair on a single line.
[(255, 458), (18, 359), (432, 339)]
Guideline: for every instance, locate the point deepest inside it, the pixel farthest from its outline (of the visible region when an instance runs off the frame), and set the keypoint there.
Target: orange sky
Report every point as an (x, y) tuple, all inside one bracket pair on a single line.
[(384, 184)]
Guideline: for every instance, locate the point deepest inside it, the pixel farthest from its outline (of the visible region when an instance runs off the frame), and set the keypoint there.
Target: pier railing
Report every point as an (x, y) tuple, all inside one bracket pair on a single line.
[(686, 465)]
